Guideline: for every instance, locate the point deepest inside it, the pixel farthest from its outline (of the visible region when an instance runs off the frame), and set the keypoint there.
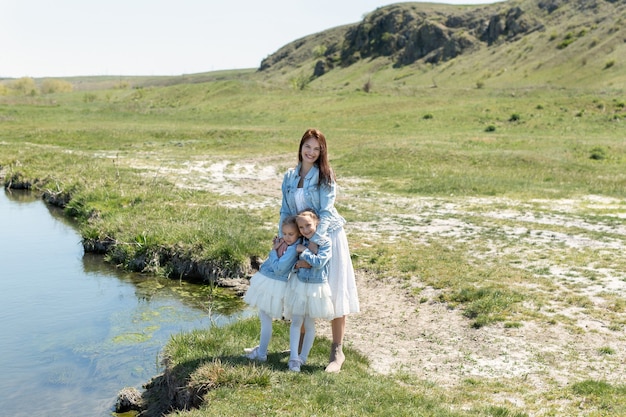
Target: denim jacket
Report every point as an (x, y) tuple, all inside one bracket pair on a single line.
[(280, 268), (320, 198), (318, 273)]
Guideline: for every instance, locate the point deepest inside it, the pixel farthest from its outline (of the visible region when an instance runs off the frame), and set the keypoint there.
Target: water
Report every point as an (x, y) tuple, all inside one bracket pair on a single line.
[(74, 330)]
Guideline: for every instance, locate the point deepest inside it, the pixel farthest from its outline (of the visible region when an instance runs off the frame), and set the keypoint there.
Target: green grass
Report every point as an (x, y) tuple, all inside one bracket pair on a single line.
[(132, 163), (208, 364), (211, 366)]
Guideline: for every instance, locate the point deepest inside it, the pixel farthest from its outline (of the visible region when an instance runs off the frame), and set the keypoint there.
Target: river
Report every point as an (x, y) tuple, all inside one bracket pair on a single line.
[(74, 329)]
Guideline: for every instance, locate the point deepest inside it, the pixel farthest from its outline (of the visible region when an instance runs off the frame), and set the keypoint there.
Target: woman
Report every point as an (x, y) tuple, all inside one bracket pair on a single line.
[(312, 185)]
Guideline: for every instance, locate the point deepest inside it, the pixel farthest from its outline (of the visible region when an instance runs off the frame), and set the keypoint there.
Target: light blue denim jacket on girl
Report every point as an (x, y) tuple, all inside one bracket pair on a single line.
[(319, 270), (320, 198), (280, 268)]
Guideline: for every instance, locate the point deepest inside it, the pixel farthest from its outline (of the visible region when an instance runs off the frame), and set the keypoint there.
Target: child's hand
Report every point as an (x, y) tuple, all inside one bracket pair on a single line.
[(313, 247), (302, 264), (300, 248), (280, 246)]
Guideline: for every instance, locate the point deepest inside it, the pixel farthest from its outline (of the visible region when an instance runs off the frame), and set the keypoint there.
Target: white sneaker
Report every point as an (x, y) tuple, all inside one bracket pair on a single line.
[(253, 354), (294, 365)]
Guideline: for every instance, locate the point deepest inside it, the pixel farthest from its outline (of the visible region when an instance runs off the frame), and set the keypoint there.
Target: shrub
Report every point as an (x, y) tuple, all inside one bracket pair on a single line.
[(609, 64), (515, 117), (50, 86), (319, 51), (24, 85), (598, 153), (490, 128), (569, 38), (89, 97), (300, 82), (367, 87)]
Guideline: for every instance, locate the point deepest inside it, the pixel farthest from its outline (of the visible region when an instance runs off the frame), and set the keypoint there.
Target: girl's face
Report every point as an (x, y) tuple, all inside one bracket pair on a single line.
[(290, 233), (307, 226), (310, 150)]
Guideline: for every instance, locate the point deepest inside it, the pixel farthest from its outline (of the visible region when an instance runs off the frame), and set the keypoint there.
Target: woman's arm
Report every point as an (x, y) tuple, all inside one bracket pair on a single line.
[(327, 195), (285, 211)]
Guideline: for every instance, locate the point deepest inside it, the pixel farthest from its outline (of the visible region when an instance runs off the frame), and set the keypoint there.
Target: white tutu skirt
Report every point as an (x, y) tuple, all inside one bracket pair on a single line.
[(266, 294), (307, 299), (341, 276)]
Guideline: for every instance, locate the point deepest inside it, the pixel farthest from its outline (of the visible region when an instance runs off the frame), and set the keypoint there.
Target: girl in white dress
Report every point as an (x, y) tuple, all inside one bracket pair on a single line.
[(267, 286), (308, 295)]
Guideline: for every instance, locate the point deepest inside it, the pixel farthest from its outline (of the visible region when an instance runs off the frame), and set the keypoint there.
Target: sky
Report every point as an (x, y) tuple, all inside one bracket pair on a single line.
[(62, 38)]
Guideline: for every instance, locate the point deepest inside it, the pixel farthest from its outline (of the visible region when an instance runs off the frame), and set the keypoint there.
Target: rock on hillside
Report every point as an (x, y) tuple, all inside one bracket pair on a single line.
[(406, 33)]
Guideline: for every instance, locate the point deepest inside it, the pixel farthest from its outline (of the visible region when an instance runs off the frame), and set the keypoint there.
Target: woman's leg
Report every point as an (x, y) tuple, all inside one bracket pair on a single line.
[(342, 283), (337, 357), (338, 326)]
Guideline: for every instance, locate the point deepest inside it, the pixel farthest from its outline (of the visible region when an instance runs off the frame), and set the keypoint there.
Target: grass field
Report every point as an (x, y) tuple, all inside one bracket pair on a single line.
[(504, 205)]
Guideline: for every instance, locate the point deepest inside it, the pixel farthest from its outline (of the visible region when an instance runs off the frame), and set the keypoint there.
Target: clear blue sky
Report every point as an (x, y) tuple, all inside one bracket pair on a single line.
[(54, 38)]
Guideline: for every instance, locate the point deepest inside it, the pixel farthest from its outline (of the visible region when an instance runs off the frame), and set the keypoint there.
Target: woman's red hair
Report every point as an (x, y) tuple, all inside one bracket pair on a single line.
[(327, 176)]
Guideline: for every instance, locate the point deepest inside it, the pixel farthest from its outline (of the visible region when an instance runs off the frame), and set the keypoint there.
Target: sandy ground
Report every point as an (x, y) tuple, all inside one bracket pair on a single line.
[(428, 339), (436, 343)]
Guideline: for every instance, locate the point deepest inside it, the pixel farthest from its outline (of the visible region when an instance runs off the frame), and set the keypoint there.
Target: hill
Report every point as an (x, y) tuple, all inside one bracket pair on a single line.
[(515, 43), (577, 44)]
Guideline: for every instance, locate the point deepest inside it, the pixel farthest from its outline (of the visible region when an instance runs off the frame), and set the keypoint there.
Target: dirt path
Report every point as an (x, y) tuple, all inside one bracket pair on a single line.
[(438, 344)]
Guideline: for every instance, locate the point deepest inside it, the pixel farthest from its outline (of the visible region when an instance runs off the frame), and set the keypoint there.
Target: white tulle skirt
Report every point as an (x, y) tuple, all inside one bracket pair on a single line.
[(307, 299), (266, 294), (341, 277)]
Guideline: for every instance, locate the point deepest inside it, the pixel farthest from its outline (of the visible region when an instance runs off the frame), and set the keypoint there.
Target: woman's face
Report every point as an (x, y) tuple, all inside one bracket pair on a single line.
[(310, 150)]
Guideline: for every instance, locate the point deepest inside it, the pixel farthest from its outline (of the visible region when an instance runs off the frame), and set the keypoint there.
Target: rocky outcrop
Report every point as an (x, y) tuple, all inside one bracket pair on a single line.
[(407, 33), (410, 33), (323, 46), (509, 25)]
